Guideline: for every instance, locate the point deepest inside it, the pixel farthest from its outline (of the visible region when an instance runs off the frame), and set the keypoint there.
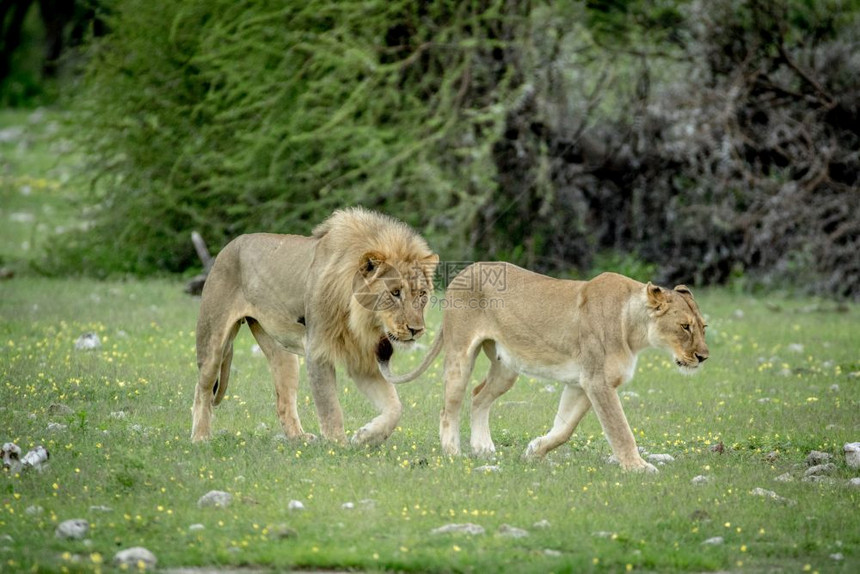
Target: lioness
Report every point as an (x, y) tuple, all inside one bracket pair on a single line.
[(343, 295), (586, 334)]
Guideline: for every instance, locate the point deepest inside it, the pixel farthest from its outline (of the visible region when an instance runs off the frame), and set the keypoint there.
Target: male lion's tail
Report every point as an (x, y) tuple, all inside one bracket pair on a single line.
[(407, 377)]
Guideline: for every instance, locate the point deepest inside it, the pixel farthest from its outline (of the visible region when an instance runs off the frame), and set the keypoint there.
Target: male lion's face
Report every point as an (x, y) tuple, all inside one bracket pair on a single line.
[(678, 326), (397, 293)]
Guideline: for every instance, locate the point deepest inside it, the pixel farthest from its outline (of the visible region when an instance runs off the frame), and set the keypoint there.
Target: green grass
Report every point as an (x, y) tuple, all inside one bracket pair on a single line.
[(126, 444), (144, 467)]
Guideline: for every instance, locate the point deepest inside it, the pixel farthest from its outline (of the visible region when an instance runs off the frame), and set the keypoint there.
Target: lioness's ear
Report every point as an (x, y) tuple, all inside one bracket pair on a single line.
[(656, 296), (370, 262), (683, 290)]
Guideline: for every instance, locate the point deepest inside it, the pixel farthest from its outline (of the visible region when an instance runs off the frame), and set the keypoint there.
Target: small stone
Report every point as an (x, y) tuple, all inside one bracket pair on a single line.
[(512, 531), (820, 469), (602, 534), (282, 531), (216, 498), (700, 479), (34, 510), (795, 348), (837, 557), (137, 558), (660, 458), (784, 477), (771, 495), (88, 342), (551, 553), (819, 479), (772, 456), (59, 409), (11, 453), (852, 454), (74, 529), (834, 388), (348, 505), (817, 457), (488, 468), (118, 415), (466, 528), (35, 458), (715, 541), (196, 527), (101, 508), (543, 523), (56, 427), (855, 482), (296, 505)]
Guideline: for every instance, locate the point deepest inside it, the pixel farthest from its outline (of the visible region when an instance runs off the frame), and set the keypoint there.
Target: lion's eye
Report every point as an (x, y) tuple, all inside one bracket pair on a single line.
[(395, 293), (686, 327)]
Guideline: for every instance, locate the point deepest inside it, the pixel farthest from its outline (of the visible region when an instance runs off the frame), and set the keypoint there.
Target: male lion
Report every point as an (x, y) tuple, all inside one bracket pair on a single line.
[(343, 295), (586, 334)]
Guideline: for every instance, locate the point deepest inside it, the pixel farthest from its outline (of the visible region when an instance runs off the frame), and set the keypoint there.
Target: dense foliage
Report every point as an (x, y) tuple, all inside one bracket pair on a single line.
[(710, 139)]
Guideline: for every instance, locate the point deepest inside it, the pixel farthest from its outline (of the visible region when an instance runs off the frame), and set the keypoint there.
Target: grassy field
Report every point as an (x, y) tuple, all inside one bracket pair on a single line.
[(782, 381)]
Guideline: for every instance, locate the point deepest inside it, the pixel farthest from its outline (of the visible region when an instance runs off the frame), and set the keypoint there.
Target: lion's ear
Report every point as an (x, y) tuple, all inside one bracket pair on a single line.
[(370, 262), (656, 296), (683, 290)]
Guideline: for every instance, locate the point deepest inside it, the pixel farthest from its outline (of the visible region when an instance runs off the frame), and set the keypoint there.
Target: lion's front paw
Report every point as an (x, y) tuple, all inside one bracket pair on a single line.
[(641, 466), (534, 451), (484, 450), (366, 437)]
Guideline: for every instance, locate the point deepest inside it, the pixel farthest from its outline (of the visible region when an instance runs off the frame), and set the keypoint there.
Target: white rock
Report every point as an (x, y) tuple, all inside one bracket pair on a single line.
[(795, 348), (34, 510), (196, 527), (137, 558), (772, 496), (837, 556), (817, 457), (466, 528), (101, 508), (75, 529), (852, 454), (701, 479), (512, 531), (543, 523), (296, 505), (551, 553), (35, 458), (11, 453), (855, 482), (488, 468), (348, 505), (660, 458), (216, 498), (820, 469), (119, 415), (715, 541), (786, 477), (88, 342), (56, 427)]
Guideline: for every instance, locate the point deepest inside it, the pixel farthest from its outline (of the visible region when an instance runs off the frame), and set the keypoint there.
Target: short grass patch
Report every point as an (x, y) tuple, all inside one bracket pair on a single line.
[(782, 381)]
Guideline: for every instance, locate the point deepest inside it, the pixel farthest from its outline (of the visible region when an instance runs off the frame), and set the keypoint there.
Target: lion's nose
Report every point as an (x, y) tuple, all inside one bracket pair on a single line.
[(415, 332), (701, 358)]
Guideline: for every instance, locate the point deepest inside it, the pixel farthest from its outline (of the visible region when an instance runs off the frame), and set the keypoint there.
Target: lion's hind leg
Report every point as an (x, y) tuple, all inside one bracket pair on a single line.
[(499, 380), (459, 363), (285, 372), (574, 404), (214, 357)]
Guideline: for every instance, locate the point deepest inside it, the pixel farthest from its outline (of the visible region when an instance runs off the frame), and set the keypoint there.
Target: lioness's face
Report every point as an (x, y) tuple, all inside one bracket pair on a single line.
[(678, 326), (397, 293)]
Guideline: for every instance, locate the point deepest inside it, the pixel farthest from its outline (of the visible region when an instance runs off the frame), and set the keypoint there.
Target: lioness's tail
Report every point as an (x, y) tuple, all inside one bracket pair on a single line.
[(405, 378)]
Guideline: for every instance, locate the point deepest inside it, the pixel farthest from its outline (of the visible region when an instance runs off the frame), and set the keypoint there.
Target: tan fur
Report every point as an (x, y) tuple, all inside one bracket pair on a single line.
[(360, 280), (586, 334)]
